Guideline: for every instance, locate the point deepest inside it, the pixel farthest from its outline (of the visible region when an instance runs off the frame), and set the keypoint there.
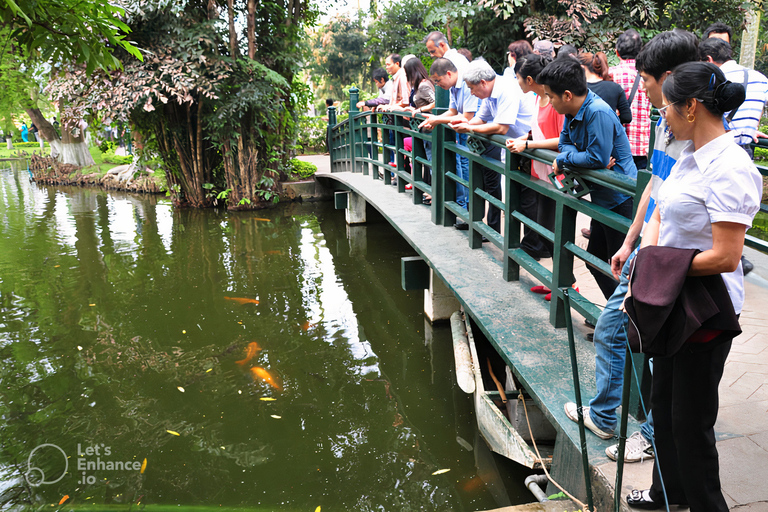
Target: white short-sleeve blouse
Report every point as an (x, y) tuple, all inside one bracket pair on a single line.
[(717, 183)]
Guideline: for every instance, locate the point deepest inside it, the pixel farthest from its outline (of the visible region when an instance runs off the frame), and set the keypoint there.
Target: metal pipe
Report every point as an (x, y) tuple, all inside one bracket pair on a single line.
[(534, 483)]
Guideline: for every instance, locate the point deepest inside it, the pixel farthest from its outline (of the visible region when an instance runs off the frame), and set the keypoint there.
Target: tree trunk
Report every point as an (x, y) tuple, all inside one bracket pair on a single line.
[(251, 29), (73, 149), (232, 33)]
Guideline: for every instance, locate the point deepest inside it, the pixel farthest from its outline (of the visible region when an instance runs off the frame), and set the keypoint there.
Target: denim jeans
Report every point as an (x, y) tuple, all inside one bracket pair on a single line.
[(462, 170), (610, 353)]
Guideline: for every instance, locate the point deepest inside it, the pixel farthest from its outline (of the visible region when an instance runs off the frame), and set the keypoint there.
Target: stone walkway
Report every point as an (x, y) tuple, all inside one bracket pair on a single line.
[(742, 426)]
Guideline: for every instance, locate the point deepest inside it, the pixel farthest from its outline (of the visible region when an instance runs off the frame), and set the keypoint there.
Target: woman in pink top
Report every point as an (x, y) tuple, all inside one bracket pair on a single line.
[(545, 128)]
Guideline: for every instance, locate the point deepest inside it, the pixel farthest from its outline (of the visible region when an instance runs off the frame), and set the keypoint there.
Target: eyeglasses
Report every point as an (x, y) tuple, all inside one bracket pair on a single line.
[(663, 110)]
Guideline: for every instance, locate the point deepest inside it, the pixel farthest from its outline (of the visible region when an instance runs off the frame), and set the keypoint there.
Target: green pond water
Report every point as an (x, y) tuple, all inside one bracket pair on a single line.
[(125, 331)]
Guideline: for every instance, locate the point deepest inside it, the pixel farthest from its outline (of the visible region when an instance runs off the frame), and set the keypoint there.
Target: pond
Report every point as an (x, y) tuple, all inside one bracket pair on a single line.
[(252, 360)]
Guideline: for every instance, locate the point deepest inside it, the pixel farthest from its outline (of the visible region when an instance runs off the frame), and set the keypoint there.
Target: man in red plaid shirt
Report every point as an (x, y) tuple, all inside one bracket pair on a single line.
[(628, 46)]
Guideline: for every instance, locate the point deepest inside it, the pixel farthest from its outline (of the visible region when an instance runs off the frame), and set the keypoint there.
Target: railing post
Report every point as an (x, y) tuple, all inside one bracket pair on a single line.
[(512, 227), (354, 152), (562, 264), (439, 157), (329, 133)]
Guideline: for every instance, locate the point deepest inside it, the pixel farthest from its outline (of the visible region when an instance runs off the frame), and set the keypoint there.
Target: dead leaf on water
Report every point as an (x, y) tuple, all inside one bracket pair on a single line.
[(441, 471)]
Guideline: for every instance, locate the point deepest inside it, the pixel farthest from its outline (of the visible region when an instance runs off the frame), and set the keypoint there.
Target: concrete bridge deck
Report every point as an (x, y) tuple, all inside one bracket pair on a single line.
[(516, 321)]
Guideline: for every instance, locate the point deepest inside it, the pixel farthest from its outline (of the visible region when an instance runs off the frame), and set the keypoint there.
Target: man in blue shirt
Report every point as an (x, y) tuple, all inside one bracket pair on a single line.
[(462, 107), (504, 110), (591, 136)]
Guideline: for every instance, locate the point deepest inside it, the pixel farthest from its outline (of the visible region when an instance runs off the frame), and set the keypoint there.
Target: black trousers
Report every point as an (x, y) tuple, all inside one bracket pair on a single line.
[(603, 243), (492, 185), (685, 403)]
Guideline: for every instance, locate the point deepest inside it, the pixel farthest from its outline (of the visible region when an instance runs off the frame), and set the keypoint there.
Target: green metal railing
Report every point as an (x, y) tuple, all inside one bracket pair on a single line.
[(353, 140)]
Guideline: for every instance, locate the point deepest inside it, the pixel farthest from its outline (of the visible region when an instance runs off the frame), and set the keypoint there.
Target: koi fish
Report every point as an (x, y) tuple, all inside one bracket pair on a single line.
[(64, 499), (441, 471), (260, 373), (259, 219), (242, 300), (143, 466), (173, 432), (307, 326), (250, 352)]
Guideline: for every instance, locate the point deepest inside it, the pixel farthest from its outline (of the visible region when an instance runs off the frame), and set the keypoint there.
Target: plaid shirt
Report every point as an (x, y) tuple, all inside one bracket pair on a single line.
[(639, 130)]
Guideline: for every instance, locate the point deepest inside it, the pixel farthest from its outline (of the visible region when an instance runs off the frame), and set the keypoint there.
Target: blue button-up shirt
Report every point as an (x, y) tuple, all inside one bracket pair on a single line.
[(589, 140), (461, 98)]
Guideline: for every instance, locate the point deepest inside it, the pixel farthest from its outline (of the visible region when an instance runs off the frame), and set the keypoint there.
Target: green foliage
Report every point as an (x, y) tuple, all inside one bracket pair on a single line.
[(311, 134), (400, 28), (303, 169), (339, 54), (80, 31)]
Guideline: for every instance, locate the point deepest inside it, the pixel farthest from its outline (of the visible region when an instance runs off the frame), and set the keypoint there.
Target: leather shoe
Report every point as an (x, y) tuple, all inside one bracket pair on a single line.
[(461, 225), (642, 500)]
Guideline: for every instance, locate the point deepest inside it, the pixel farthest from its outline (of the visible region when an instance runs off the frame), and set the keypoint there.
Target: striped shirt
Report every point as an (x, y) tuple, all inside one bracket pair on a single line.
[(747, 119), (639, 130)]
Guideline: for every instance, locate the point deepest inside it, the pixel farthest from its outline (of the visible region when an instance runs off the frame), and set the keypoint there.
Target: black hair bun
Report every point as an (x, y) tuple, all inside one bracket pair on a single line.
[(729, 96)]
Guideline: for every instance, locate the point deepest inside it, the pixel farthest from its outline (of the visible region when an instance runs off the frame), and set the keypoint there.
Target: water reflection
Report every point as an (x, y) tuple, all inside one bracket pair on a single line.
[(115, 336)]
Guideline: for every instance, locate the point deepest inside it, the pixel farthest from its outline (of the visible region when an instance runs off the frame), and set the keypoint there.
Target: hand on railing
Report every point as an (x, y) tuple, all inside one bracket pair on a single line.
[(461, 126), (518, 145)]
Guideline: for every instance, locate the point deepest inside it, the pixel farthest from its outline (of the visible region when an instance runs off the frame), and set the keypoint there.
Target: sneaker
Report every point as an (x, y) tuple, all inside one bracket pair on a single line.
[(572, 413), (637, 449)]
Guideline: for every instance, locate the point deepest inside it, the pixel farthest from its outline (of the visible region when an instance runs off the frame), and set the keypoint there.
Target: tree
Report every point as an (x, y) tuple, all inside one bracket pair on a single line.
[(339, 55), (218, 113)]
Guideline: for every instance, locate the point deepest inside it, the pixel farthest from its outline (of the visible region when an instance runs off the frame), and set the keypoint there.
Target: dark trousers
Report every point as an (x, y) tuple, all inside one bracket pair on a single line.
[(531, 243), (492, 185), (603, 243), (641, 161), (685, 402)]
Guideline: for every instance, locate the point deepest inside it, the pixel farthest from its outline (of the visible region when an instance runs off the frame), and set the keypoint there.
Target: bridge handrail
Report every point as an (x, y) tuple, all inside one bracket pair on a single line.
[(354, 147)]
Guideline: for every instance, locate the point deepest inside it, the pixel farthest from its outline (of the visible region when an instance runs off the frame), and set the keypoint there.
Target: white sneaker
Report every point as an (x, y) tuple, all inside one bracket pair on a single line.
[(572, 413), (637, 449)]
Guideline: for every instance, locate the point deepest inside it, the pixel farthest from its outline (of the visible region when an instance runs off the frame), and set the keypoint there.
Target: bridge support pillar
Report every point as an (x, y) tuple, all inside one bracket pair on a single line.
[(439, 300), (355, 212), (358, 240)]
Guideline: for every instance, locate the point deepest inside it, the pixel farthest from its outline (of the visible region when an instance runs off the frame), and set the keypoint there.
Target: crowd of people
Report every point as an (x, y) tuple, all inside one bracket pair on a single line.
[(703, 194)]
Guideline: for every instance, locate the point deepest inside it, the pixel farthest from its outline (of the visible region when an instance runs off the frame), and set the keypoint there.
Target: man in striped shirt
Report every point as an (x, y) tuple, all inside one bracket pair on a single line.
[(638, 131), (745, 121)]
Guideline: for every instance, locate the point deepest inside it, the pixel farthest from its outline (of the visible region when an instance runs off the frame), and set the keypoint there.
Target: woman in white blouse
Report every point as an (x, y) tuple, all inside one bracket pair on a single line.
[(707, 203)]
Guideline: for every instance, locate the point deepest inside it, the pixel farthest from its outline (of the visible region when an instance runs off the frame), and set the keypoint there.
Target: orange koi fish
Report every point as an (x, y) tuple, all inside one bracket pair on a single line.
[(242, 300), (307, 326), (64, 499), (260, 373), (250, 352), (259, 219)]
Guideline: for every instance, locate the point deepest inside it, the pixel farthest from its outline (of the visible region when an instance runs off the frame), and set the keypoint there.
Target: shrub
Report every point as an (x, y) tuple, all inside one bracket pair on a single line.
[(303, 169), (311, 134)]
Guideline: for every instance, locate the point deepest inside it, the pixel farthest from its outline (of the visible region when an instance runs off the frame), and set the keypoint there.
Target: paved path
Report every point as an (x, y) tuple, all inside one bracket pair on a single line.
[(742, 426)]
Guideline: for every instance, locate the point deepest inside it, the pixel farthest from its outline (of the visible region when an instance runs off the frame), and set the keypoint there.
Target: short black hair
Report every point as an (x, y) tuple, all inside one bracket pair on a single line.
[(564, 75), (718, 28), (666, 51), (629, 44), (328, 102), (441, 66), (395, 58), (566, 50), (719, 50), (380, 74)]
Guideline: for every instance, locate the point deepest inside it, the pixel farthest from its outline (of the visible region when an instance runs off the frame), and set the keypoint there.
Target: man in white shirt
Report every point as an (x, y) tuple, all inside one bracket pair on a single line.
[(745, 121), (504, 110), (437, 46)]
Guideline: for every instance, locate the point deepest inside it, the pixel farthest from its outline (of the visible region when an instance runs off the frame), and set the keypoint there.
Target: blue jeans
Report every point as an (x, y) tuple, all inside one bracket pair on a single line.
[(462, 170), (610, 355)]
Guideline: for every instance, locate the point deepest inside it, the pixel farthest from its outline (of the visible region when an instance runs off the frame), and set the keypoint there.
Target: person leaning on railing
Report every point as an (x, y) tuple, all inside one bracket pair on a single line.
[(707, 203), (591, 136), (546, 126)]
